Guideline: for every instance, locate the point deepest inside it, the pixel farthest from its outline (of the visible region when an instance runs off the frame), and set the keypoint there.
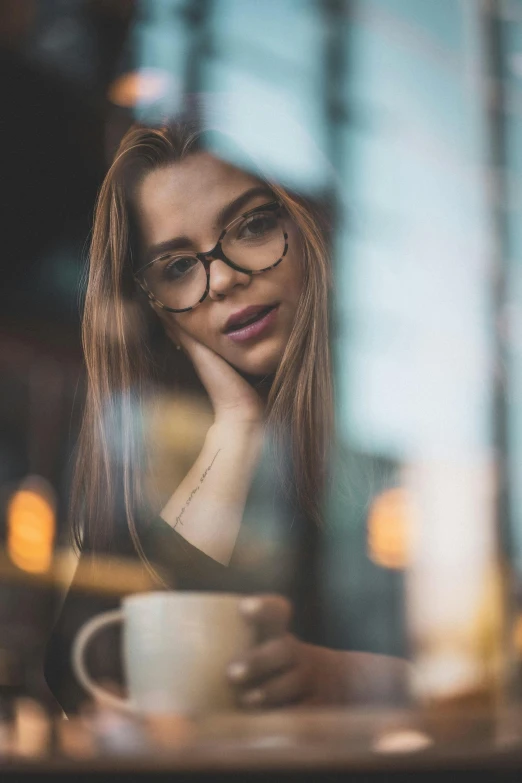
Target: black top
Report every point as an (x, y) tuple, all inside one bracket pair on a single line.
[(340, 598)]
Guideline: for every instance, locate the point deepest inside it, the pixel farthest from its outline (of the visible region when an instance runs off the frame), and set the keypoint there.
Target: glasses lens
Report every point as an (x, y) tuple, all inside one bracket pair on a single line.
[(177, 281), (255, 242)]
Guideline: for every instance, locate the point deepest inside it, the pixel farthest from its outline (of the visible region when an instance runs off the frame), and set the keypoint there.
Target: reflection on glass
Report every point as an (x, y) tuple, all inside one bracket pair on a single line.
[(367, 132)]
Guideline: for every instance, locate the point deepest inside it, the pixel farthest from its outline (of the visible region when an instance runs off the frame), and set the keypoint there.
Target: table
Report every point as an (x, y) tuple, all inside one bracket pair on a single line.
[(312, 745)]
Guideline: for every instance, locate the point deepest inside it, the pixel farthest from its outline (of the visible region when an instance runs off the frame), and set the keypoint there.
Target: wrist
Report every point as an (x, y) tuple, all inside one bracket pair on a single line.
[(328, 679), (242, 417), (342, 677), (228, 425), (249, 434)]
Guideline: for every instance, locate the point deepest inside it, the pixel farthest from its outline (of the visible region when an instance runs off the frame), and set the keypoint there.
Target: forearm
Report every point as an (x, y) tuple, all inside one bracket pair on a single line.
[(343, 677), (207, 507)]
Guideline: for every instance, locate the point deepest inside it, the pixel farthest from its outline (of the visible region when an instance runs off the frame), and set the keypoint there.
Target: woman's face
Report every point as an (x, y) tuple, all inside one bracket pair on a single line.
[(184, 201)]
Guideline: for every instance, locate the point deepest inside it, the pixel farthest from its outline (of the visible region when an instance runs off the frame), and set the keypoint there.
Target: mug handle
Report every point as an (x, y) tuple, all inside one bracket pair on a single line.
[(83, 637)]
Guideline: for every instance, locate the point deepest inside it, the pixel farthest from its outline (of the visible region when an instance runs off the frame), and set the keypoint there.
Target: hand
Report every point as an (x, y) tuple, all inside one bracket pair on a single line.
[(234, 400), (280, 670)]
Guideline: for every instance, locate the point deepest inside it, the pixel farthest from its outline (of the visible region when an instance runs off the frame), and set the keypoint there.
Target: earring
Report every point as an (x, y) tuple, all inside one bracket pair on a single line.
[(178, 347)]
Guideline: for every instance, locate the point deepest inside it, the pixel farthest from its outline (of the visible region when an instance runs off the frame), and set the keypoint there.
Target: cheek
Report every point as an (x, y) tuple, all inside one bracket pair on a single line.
[(195, 324)]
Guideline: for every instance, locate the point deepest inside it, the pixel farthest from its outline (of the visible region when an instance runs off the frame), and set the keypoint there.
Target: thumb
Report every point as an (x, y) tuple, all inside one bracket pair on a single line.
[(270, 614)]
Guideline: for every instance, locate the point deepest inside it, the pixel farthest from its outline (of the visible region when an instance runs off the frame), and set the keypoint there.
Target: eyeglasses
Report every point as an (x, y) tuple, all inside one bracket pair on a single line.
[(252, 243)]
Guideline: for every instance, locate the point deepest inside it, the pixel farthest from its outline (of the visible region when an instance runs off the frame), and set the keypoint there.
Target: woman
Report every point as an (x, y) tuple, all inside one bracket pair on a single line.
[(191, 253)]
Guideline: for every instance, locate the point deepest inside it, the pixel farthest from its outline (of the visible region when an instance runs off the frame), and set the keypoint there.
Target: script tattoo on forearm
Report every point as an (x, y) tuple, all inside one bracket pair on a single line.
[(194, 491)]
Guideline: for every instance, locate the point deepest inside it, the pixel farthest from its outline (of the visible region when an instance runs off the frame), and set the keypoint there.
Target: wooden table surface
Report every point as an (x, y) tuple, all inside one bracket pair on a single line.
[(294, 745)]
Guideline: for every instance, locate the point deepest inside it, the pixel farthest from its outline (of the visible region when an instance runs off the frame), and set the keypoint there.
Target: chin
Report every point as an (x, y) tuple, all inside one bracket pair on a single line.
[(257, 370), (258, 365)]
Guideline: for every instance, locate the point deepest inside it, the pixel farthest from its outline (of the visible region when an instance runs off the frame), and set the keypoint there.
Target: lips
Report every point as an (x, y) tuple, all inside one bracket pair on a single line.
[(247, 316), (260, 324)]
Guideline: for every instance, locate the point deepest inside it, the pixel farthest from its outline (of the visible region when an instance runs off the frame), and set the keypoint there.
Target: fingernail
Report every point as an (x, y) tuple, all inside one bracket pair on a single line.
[(254, 697), (237, 671), (250, 606)]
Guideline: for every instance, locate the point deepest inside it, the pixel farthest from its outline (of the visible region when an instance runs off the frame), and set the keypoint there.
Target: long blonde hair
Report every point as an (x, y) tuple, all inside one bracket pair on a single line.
[(121, 364)]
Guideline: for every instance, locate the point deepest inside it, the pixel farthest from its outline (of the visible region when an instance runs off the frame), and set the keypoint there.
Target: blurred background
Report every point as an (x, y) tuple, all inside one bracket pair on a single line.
[(407, 116)]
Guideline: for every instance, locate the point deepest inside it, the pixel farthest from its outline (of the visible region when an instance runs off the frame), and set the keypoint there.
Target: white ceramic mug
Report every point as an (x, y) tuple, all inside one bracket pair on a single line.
[(176, 647)]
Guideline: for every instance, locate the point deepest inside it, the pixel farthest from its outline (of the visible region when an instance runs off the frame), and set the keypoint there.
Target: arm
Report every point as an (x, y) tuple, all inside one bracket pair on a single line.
[(284, 670), (207, 507)]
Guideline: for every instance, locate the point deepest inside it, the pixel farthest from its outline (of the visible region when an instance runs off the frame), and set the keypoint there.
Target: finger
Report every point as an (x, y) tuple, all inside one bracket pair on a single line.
[(288, 688), (228, 391), (264, 661), (270, 614)]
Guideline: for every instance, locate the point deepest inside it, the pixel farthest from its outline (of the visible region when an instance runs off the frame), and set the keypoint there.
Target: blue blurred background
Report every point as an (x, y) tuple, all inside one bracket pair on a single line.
[(406, 115)]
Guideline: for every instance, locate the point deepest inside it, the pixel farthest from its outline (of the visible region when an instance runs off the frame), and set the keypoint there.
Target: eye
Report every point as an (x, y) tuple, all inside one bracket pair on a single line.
[(178, 267), (258, 226)]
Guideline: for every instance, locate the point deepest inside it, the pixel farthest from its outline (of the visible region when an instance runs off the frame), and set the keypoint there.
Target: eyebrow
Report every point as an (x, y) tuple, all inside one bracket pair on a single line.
[(224, 216)]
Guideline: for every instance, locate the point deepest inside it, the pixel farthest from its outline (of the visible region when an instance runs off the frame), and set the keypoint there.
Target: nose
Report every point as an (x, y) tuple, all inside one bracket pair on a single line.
[(223, 279)]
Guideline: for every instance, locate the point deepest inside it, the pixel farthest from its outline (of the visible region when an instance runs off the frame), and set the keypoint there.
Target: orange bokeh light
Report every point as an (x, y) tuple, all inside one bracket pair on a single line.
[(31, 524), (389, 529)]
